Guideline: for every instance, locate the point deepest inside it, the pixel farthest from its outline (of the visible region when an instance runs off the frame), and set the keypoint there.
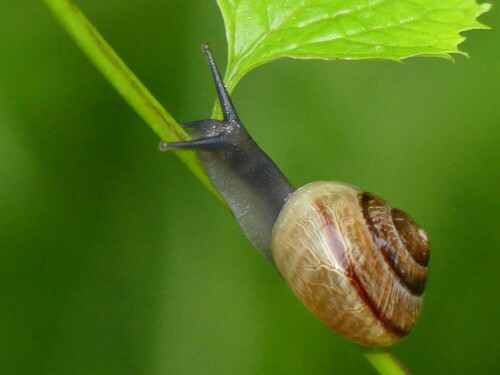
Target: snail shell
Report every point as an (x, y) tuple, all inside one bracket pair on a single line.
[(359, 265)]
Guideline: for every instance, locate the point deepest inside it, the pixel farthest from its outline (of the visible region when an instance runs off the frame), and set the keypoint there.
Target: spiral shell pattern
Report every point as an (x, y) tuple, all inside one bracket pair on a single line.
[(359, 265)]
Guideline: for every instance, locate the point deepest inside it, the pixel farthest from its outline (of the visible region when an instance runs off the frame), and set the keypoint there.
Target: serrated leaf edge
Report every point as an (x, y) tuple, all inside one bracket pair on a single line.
[(233, 76)]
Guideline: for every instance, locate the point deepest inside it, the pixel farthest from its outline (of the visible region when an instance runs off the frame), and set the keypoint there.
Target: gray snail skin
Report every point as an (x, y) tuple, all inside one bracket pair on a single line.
[(356, 263)]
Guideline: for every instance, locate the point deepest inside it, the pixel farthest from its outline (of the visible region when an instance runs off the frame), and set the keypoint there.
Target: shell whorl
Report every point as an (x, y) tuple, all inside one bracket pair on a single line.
[(359, 265)]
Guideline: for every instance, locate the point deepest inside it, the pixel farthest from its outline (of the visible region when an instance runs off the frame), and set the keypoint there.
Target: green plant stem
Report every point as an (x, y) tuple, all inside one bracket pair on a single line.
[(384, 361), (125, 82), (159, 120)]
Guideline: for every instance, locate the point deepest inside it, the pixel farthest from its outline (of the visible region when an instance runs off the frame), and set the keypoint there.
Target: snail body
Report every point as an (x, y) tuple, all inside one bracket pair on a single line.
[(358, 264)]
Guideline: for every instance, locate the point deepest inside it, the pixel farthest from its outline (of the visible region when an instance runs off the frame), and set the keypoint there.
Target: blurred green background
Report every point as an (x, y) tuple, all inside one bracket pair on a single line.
[(114, 258)]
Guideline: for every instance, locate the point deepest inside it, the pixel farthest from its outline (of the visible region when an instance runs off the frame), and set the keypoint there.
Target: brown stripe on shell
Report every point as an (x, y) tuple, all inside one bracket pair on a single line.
[(415, 239), (404, 245), (350, 272)]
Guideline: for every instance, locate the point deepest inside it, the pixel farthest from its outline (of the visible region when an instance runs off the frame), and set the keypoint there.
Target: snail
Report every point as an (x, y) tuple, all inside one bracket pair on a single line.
[(356, 263)]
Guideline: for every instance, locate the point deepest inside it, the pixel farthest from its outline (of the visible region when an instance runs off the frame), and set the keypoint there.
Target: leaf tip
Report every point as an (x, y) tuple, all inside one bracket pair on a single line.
[(485, 7), (482, 9)]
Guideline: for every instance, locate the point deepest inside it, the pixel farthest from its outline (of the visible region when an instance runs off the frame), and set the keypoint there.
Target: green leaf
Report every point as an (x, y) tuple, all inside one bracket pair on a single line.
[(259, 31)]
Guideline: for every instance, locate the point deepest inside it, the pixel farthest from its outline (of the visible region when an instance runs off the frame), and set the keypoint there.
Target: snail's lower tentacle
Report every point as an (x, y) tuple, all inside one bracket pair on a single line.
[(209, 143), (194, 124)]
